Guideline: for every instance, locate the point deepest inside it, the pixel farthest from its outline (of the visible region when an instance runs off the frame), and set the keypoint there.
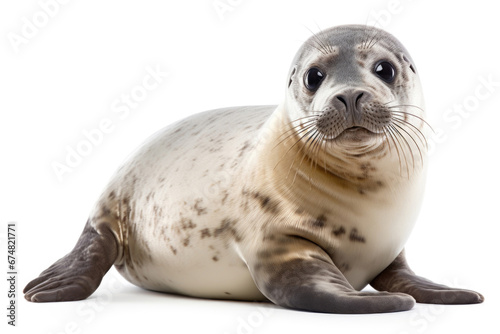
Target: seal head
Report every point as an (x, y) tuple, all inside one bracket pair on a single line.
[(357, 86)]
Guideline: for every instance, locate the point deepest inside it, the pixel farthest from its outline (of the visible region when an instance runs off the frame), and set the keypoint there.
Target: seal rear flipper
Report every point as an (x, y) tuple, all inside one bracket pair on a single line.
[(398, 277), (302, 276), (78, 274)]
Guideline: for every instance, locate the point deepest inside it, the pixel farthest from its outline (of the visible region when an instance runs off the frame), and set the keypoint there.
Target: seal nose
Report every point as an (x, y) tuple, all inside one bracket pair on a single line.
[(351, 100)]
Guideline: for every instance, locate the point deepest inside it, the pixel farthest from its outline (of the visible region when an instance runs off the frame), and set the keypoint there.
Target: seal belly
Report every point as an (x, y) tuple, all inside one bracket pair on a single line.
[(198, 273), (176, 202)]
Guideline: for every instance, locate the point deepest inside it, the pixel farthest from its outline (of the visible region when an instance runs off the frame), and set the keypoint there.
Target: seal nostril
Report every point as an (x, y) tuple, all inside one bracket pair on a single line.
[(342, 100), (357, 100)]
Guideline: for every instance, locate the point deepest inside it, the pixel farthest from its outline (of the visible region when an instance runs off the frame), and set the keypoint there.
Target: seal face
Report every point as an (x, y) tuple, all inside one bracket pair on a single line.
[(358, 86), (302, 204)]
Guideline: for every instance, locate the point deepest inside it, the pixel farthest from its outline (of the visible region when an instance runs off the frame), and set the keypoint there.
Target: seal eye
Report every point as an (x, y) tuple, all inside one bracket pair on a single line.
[(385, 71), (313, 78)]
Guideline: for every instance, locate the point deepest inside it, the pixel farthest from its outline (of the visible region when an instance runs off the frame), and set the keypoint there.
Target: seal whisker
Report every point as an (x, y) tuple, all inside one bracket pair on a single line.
[(368, 45), (295, 157), (365, 35), (317, 48), (404, 105), (400, 117), (306, 146), (368, 38), (395, 127), (321, 43), (320, 46), (316, 149), (391, 135), (322, 35), (321, 142), (416, 144), (414, 129), (291, 132), (373, 40), (324, 143), (396, 135), (295, 127), (413, 115), (312, 155), (307, 130), (308, 116), (323, 148), (327, 144), (384, 130)]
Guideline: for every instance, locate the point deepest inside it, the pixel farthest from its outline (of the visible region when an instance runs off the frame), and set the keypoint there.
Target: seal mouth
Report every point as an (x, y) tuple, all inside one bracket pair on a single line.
[(356, 128), (355, 133)]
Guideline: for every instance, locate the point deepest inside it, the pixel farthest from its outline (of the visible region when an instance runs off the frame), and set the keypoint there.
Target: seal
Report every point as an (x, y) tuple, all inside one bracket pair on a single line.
[(302, 204)]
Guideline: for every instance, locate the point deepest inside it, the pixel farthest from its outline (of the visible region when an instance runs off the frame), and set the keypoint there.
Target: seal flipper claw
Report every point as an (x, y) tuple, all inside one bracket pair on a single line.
[(307, 279), (398, 277), (78, 274)]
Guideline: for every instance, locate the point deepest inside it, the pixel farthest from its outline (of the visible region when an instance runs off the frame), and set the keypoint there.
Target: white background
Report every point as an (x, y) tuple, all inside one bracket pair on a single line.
[(66, 78)]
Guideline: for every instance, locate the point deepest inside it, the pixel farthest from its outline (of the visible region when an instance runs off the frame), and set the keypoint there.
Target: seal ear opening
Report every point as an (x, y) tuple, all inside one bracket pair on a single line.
[(291, 76)]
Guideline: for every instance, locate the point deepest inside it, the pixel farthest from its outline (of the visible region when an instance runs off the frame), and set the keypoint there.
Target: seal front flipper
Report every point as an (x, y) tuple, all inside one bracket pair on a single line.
[(78, 274), (296, 273), (398, 277)]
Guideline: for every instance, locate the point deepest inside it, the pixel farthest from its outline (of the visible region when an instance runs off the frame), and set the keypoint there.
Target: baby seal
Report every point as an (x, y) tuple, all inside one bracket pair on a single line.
[(302, 204)]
